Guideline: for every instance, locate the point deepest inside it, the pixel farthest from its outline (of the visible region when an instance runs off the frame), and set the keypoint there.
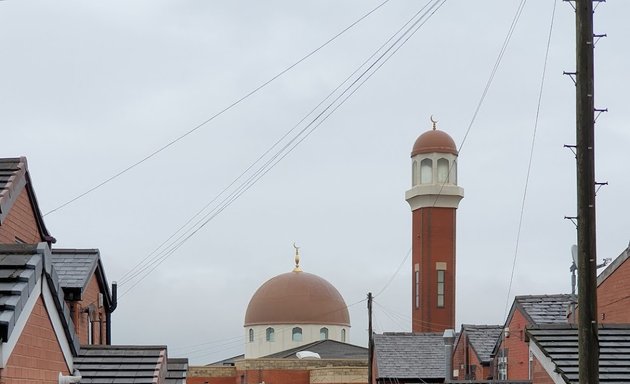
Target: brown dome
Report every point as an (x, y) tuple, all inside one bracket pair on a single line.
[(434, 141), (297, 298)]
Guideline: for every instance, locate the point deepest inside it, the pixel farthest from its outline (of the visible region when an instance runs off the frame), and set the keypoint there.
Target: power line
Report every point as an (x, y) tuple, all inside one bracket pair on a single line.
[(531, 157), (297, 139), (230, 106)]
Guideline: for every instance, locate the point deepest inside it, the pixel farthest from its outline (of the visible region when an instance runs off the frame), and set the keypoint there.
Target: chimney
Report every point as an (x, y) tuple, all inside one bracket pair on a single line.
[(449, 338)]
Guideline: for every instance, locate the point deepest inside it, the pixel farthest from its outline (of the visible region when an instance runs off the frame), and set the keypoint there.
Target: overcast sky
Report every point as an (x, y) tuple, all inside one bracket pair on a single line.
[(89, 88)]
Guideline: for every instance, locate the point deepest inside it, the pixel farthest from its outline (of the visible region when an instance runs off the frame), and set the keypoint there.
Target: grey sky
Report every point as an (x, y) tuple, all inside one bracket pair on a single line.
[(87, 88)]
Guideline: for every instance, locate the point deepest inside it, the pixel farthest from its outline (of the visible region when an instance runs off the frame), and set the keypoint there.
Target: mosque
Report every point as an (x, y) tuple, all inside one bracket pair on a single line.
[(297, 325)]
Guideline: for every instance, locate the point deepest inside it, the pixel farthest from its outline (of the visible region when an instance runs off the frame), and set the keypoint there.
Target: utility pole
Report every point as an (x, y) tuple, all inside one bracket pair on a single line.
[(585, 148), (370, 338)]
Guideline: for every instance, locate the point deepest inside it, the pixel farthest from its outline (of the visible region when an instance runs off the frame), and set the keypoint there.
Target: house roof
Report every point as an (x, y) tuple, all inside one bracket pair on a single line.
[(482, 339), (22, 266), (176, 371), (410, 355), (14, 177), (613, 266), (559, 343), (228, 361), (129, 364), (327, 349), (19, 274), (545, 309), (75, 266)]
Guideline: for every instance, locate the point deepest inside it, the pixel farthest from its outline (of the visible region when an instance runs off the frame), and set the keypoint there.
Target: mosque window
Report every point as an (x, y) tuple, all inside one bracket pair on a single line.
[(296, 334), (414, 173), (426, 171), (270, 334), (453, 173), (343, 335), (251, 335), (323, 334), (440, 287), (442, 169)]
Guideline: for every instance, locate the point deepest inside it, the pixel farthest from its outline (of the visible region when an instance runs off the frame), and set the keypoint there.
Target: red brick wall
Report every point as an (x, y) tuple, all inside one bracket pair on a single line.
[(518, 349), (464, 354), (20, 222), (37, 357), (613, 296), (433, 240), (213, 380), (459, 358), (539, 375), (81, 319)]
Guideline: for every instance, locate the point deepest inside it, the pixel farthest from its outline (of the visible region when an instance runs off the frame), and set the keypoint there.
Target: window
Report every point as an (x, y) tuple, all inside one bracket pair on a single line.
[(296, 334), (442, 170), (270, 334), (426, 171), (414, 173), (503, 364), (251, 335), (323, 334), (417, 284), (343, 335), (440, 288), (453, 173)]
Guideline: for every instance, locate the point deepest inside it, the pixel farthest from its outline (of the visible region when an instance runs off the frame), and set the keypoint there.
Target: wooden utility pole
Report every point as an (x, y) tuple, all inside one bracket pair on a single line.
[(585, 148), (370, 338)]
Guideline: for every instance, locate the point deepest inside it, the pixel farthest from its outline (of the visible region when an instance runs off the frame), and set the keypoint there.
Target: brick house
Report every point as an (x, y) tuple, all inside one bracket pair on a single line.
[(54, 303), (472, 353), (511, 353), (613, 291)]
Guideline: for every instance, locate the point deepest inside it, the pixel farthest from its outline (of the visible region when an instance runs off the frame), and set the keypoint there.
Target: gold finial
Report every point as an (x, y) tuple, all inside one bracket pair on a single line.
[(434, 122), (297, 259)]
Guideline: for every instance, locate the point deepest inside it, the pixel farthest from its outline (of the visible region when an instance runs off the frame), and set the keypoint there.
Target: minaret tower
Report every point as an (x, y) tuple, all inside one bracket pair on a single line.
[(433, 198)]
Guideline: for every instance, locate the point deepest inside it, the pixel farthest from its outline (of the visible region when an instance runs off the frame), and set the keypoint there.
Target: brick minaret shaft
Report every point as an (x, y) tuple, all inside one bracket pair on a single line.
[(433, 198)]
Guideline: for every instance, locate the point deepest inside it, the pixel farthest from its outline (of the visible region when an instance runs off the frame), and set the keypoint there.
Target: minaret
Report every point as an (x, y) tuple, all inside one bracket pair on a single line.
[(433, 198)]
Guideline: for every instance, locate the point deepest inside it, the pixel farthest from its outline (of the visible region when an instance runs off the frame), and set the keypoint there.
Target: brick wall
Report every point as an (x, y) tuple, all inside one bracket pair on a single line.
[(539, 375), (20, 222), (339, 375), (81, 318), (613, 296), (518, 349), (37, 357), (463, 355)]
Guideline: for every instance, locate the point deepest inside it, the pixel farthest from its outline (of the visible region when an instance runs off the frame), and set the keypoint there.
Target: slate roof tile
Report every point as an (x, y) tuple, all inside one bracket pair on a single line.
[(75, 266), (410, 355), (482, 338), (546, 309), (559, 342)]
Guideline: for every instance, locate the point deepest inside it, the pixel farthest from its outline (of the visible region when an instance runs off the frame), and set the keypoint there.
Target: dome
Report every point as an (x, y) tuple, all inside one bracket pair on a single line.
[(297, 298), (434, 141)]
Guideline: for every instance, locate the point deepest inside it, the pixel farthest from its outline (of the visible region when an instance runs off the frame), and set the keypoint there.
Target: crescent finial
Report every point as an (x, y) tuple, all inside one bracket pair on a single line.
[(434, 122), (297, 259)]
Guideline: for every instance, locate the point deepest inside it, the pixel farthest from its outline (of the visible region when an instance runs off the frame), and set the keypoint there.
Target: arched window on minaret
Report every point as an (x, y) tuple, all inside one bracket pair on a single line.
[(343, 335), (296, 334), (251, 335), (270, 334), (323, 334), (414, 174), (442, 170), (426, 171)]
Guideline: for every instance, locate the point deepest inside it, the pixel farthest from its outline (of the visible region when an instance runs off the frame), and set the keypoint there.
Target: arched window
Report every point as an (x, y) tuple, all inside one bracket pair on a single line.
[(323, 334), (426, 171), (296, 334), (251, 335), (270, 334), (343, 335), (414, 173), (442, 170), (453, 175)]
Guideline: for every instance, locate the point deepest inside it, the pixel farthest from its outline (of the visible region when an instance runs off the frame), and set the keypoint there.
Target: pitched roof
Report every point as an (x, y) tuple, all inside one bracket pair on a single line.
[(613, 266), (545, 309), (176, 371), (327, 349), (21, 267), (560, 344), (129, 364), (410, 355), (482, 339), (75, 266), (19, 274), (14, 177)]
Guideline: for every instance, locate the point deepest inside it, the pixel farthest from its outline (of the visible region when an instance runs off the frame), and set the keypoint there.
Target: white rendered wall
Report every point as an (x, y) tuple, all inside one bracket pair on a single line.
[(283, 337)]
